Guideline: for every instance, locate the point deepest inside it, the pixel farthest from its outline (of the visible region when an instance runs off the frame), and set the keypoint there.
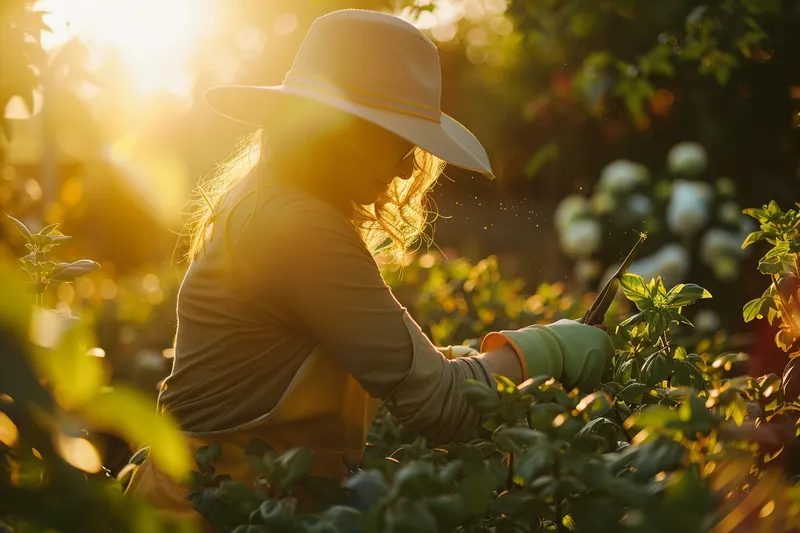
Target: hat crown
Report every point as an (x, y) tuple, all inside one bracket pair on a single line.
[(371, 55)]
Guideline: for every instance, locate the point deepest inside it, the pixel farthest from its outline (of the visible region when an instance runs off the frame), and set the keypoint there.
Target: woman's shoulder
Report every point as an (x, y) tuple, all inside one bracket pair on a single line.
[(289, 214)]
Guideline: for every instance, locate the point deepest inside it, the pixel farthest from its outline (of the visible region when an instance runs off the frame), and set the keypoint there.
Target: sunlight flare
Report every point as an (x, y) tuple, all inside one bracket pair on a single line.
[(156, 39)]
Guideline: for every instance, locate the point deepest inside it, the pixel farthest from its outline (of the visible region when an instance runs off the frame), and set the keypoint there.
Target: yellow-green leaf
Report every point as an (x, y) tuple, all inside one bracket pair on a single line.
[(634, 287), (736, 410), (131, 415), (60, 357), (752, 309), (752, 238), (15, 306)]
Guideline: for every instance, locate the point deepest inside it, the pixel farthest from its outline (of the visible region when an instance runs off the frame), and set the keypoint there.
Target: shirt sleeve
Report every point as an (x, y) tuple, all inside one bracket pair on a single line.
[(314, 263)]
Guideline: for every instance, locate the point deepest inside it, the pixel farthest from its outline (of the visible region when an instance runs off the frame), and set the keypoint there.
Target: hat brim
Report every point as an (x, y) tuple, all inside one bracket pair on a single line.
[(448, 140)]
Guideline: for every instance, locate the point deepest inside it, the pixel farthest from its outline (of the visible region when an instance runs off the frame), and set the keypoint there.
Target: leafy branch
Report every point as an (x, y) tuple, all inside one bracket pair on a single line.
[(40, 268)]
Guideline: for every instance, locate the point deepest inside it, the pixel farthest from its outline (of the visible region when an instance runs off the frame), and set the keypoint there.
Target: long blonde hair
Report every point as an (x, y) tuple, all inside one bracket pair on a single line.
[(388, 227)]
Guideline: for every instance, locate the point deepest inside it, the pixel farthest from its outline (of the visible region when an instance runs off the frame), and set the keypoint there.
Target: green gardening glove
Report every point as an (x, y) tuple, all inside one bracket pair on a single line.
[(573, 353)]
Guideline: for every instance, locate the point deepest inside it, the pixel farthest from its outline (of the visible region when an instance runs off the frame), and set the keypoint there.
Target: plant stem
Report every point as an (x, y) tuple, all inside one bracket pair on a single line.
[(559, 520), (510, 480), (785, 316)]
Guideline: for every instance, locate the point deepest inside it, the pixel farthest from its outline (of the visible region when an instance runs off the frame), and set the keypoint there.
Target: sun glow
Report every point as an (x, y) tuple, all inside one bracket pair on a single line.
[(156, 39)]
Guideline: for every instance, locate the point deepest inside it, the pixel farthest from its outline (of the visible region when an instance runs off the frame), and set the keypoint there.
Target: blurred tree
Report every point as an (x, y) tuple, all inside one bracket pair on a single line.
[(21, 53), (566, 86), (21, 57)]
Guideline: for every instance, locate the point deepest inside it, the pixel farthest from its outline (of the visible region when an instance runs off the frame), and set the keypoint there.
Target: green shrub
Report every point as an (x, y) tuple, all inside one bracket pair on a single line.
[(675, 439)]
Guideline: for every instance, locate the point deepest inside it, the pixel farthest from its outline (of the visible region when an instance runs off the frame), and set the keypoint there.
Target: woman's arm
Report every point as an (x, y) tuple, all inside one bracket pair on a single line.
[(313, 262), (504, 361)]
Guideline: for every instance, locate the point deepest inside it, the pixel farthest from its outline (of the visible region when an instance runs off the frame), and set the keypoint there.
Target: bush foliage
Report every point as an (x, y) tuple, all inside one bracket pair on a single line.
[(675, 439)]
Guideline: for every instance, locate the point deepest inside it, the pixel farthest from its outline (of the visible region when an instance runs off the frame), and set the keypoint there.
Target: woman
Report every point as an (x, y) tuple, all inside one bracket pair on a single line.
[(286, 331)]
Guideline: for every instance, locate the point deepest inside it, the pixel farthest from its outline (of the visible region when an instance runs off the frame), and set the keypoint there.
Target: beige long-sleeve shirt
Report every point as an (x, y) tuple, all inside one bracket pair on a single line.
[(299, 275)]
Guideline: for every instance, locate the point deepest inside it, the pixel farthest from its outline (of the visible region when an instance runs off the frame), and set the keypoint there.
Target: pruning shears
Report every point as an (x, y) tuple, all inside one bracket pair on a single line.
[(597, 312)]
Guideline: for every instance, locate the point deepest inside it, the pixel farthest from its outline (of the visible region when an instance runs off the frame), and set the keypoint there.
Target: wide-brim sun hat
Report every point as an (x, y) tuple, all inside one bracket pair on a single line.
[(374, 66)]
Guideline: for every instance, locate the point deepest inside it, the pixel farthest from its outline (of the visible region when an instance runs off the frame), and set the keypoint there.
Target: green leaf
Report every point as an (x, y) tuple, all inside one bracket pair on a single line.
[(544, 486), (480, 396), (687, 294), (449, 473), (752, 309), (784, 338), (515, 438), (635, 319), (656, 368), (532, 464), (601, 427), (232, 492), (656, 416), (663, 454), (686, 374), (770, 266), (75, 378), (657, 61), (131, 415), (548, 152), (297, 462), (49, 229), (596, 474), (504, 385), (634, 288), (39, 240), (515, 504), (623, 373), (595, 404), (412, 516), (369, 486), (737, 410), (206, 456), (779, 250), (635, 92), (657, 322), (769, 384), (762, 6), (542, 415), (277, 514), (69, 271), (58, 239), (629, 493), (258, 448), (583, 23), (657, 287), (677, 317), (476, 487), (447, 508), (752, 238), (633, 391), (21, 227), (726, 360)]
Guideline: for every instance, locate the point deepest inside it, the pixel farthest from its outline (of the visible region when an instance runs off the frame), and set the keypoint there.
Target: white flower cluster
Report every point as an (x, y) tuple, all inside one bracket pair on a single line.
[(579, 234), (581, 238), (692, 206), (621, 176), (688, 209), (721, 249), (687, 158)]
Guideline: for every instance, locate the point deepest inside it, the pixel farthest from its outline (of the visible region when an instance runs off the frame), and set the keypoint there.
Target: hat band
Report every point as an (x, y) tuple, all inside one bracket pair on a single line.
[(363, 97)]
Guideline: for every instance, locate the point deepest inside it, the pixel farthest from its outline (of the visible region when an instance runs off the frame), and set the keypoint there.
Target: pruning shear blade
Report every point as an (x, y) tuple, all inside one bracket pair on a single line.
[(597, 312)]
